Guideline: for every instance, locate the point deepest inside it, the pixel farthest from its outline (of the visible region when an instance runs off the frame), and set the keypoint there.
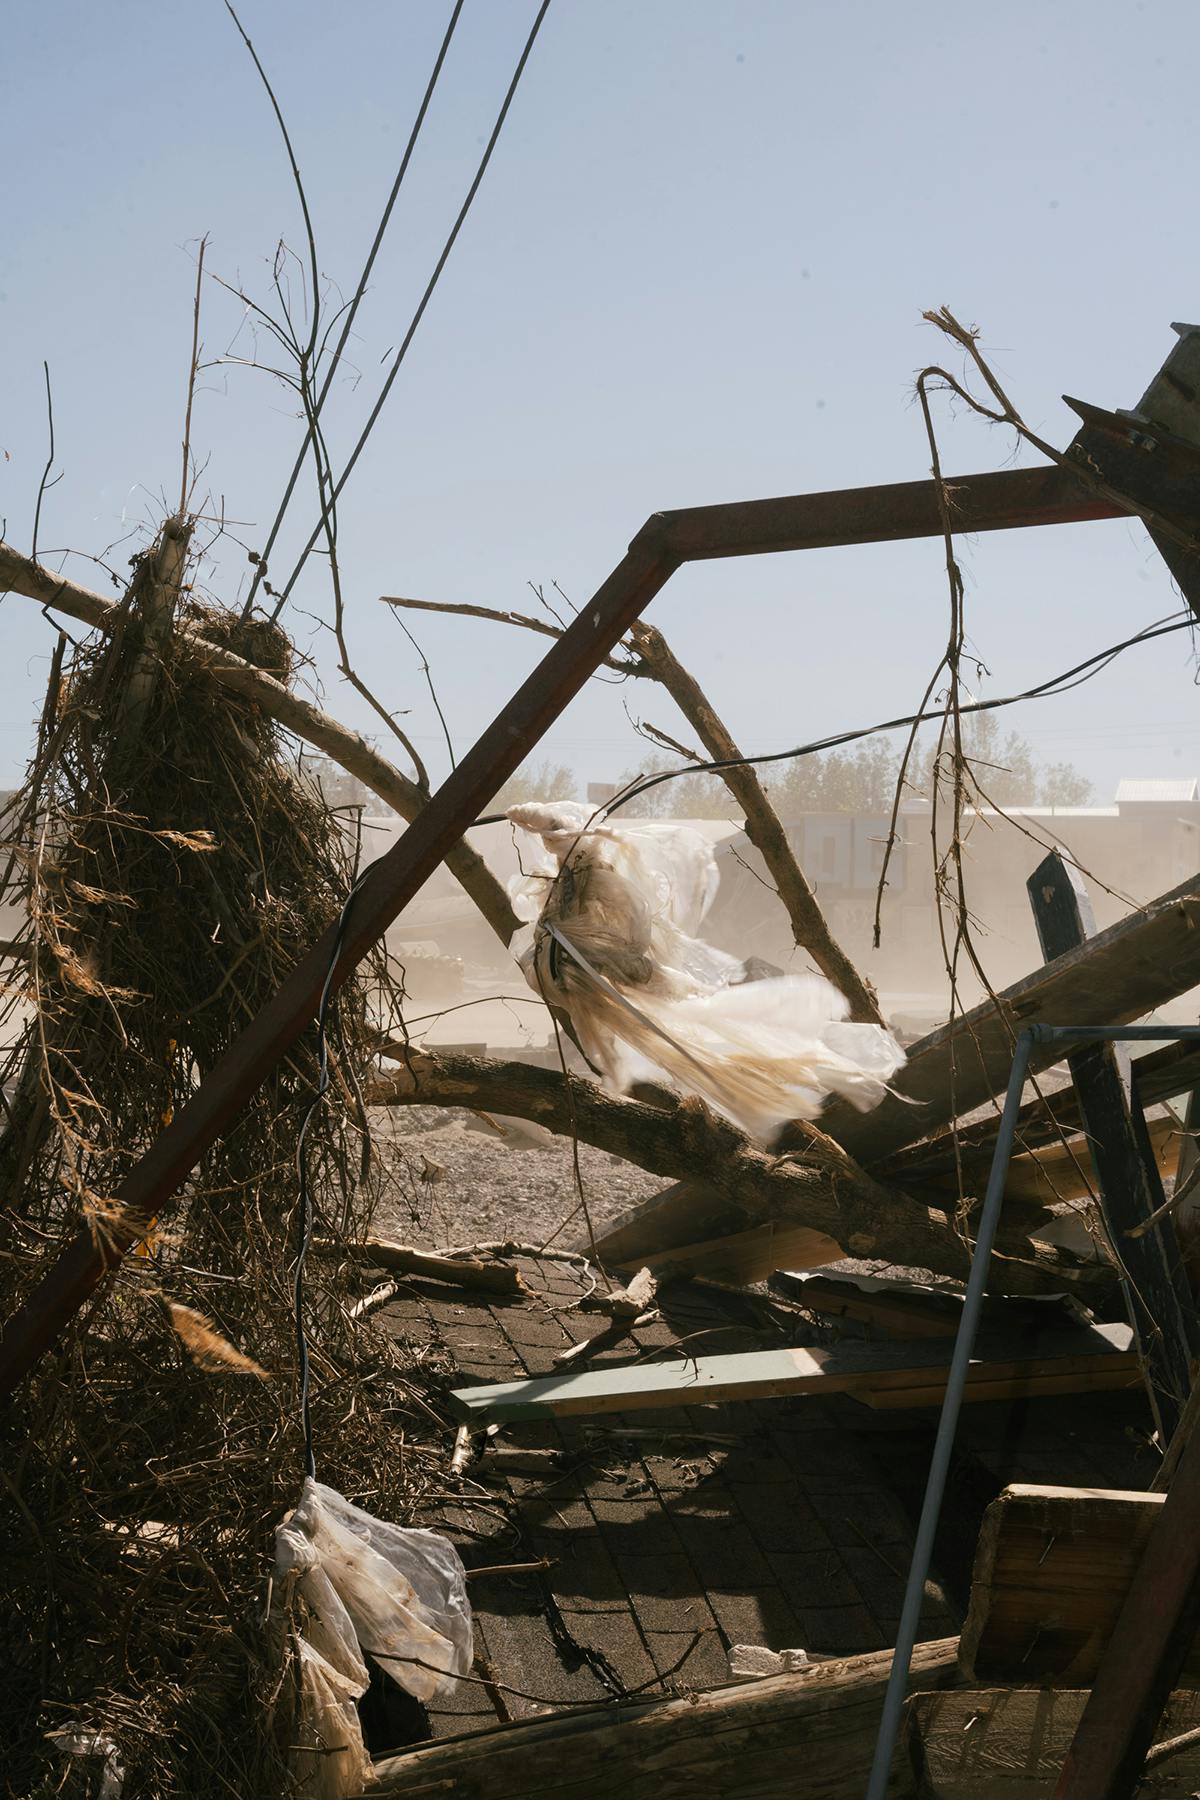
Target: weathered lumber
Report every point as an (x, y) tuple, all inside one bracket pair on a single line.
[(1052, 1568), (823, 1189), (689, 1230), (1165, 1073), (908, 1309), (458, 1271), (1120, 974), (1129, 1189), (21, 575), (1010, 1744), (1008, 1366), (742, 1742), (810, 930)]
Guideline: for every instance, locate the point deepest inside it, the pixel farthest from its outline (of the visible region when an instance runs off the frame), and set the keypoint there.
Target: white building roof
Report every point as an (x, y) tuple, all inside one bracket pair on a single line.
[(1181, 790)]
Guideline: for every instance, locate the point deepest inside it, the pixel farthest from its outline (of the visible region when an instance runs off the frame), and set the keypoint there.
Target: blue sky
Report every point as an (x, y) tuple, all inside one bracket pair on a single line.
[(695, 272)]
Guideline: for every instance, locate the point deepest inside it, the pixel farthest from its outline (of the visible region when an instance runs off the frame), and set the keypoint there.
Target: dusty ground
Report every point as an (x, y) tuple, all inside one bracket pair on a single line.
[(447, 1179)]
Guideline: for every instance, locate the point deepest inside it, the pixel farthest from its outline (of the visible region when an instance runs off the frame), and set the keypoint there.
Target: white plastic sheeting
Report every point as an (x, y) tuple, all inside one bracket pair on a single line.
[(614, 911), (368, 1588)]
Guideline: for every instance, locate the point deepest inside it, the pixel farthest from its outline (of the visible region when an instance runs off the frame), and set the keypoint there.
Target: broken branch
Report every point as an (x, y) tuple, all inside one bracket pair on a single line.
[(763, 827), (823, 1189)]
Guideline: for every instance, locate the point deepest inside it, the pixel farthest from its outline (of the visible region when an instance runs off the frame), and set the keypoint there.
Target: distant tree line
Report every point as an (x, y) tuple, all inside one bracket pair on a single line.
[(859, 779)]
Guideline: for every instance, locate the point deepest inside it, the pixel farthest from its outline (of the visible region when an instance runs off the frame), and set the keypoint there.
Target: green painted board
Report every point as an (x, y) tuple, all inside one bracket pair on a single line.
[(880, 1373)]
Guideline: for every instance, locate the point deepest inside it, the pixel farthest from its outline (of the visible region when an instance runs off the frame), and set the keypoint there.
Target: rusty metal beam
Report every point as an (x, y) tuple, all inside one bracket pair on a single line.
[(1003, 501), (991, 502)]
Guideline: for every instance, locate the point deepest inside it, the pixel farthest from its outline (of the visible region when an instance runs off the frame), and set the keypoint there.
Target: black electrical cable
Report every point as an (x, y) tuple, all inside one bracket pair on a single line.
[(1057, 684), (335, 361), (304, 1208), (419, 314)]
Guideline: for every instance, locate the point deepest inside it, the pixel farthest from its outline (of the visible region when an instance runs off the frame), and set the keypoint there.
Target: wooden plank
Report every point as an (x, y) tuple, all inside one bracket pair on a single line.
[(742, 1256), (1051, 1572), (1048, 1174), (852, 1368), (1010, 1744), (909, 1309), (1119, 975), (1129, 1188), (1165, 1074), (897, 1308), (729, 1743)]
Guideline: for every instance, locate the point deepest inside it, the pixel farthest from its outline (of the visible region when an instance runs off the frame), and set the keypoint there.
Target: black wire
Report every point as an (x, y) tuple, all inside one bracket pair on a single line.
[(1057, 684), (348, 323), (304, 1224), (424, 300)]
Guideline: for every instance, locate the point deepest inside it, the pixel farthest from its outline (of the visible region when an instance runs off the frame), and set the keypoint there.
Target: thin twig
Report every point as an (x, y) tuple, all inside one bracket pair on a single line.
[(191, 390), (45, 483)]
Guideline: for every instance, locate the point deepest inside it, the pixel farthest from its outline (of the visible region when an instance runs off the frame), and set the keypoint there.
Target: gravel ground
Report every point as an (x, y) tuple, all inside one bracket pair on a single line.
[(448, 1179)]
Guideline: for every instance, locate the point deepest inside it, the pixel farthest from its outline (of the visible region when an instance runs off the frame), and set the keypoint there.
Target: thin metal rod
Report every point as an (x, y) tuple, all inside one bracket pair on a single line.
[(964, 1344)]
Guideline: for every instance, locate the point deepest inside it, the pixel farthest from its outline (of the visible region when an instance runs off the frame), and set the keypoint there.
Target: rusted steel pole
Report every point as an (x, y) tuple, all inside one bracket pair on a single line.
[(1001, 501), (392, 883)]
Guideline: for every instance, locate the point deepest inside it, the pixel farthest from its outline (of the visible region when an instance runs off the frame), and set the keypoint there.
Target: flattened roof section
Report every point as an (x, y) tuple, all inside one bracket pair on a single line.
[(669, 1536)]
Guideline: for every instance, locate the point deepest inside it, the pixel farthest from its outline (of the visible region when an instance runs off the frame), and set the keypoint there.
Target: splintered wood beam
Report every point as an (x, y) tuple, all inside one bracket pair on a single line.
[(1121, 974), (883, 1375), (726, 1743), (1052, 1568)]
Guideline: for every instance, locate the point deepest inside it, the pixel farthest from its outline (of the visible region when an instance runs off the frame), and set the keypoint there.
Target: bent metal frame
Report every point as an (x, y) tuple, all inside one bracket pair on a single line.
[(990, 502)]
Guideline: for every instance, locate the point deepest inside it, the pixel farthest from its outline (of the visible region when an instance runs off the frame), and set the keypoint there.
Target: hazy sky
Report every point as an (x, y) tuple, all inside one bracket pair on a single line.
[(695, 272)]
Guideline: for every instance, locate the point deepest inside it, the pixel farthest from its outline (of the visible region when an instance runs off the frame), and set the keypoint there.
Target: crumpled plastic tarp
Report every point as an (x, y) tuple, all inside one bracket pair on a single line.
[(396, 1594), (615, 910)]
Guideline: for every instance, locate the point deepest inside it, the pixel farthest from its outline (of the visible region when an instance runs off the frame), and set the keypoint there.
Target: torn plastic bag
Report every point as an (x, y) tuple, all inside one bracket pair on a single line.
[(74, 1740), (368, 1587), (616, 909)]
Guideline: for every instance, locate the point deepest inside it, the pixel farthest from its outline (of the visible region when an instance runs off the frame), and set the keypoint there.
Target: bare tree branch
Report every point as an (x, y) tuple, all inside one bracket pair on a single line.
[(822, 1187), (622, 665), (763, 827)]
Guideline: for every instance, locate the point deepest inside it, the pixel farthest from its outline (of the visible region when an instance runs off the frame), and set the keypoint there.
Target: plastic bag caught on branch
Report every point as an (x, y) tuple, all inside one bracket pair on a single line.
[(615, 911), (363, 1586)]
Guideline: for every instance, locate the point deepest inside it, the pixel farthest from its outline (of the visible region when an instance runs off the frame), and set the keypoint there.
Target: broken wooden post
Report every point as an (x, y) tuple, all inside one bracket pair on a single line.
[(1157, 1296)]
